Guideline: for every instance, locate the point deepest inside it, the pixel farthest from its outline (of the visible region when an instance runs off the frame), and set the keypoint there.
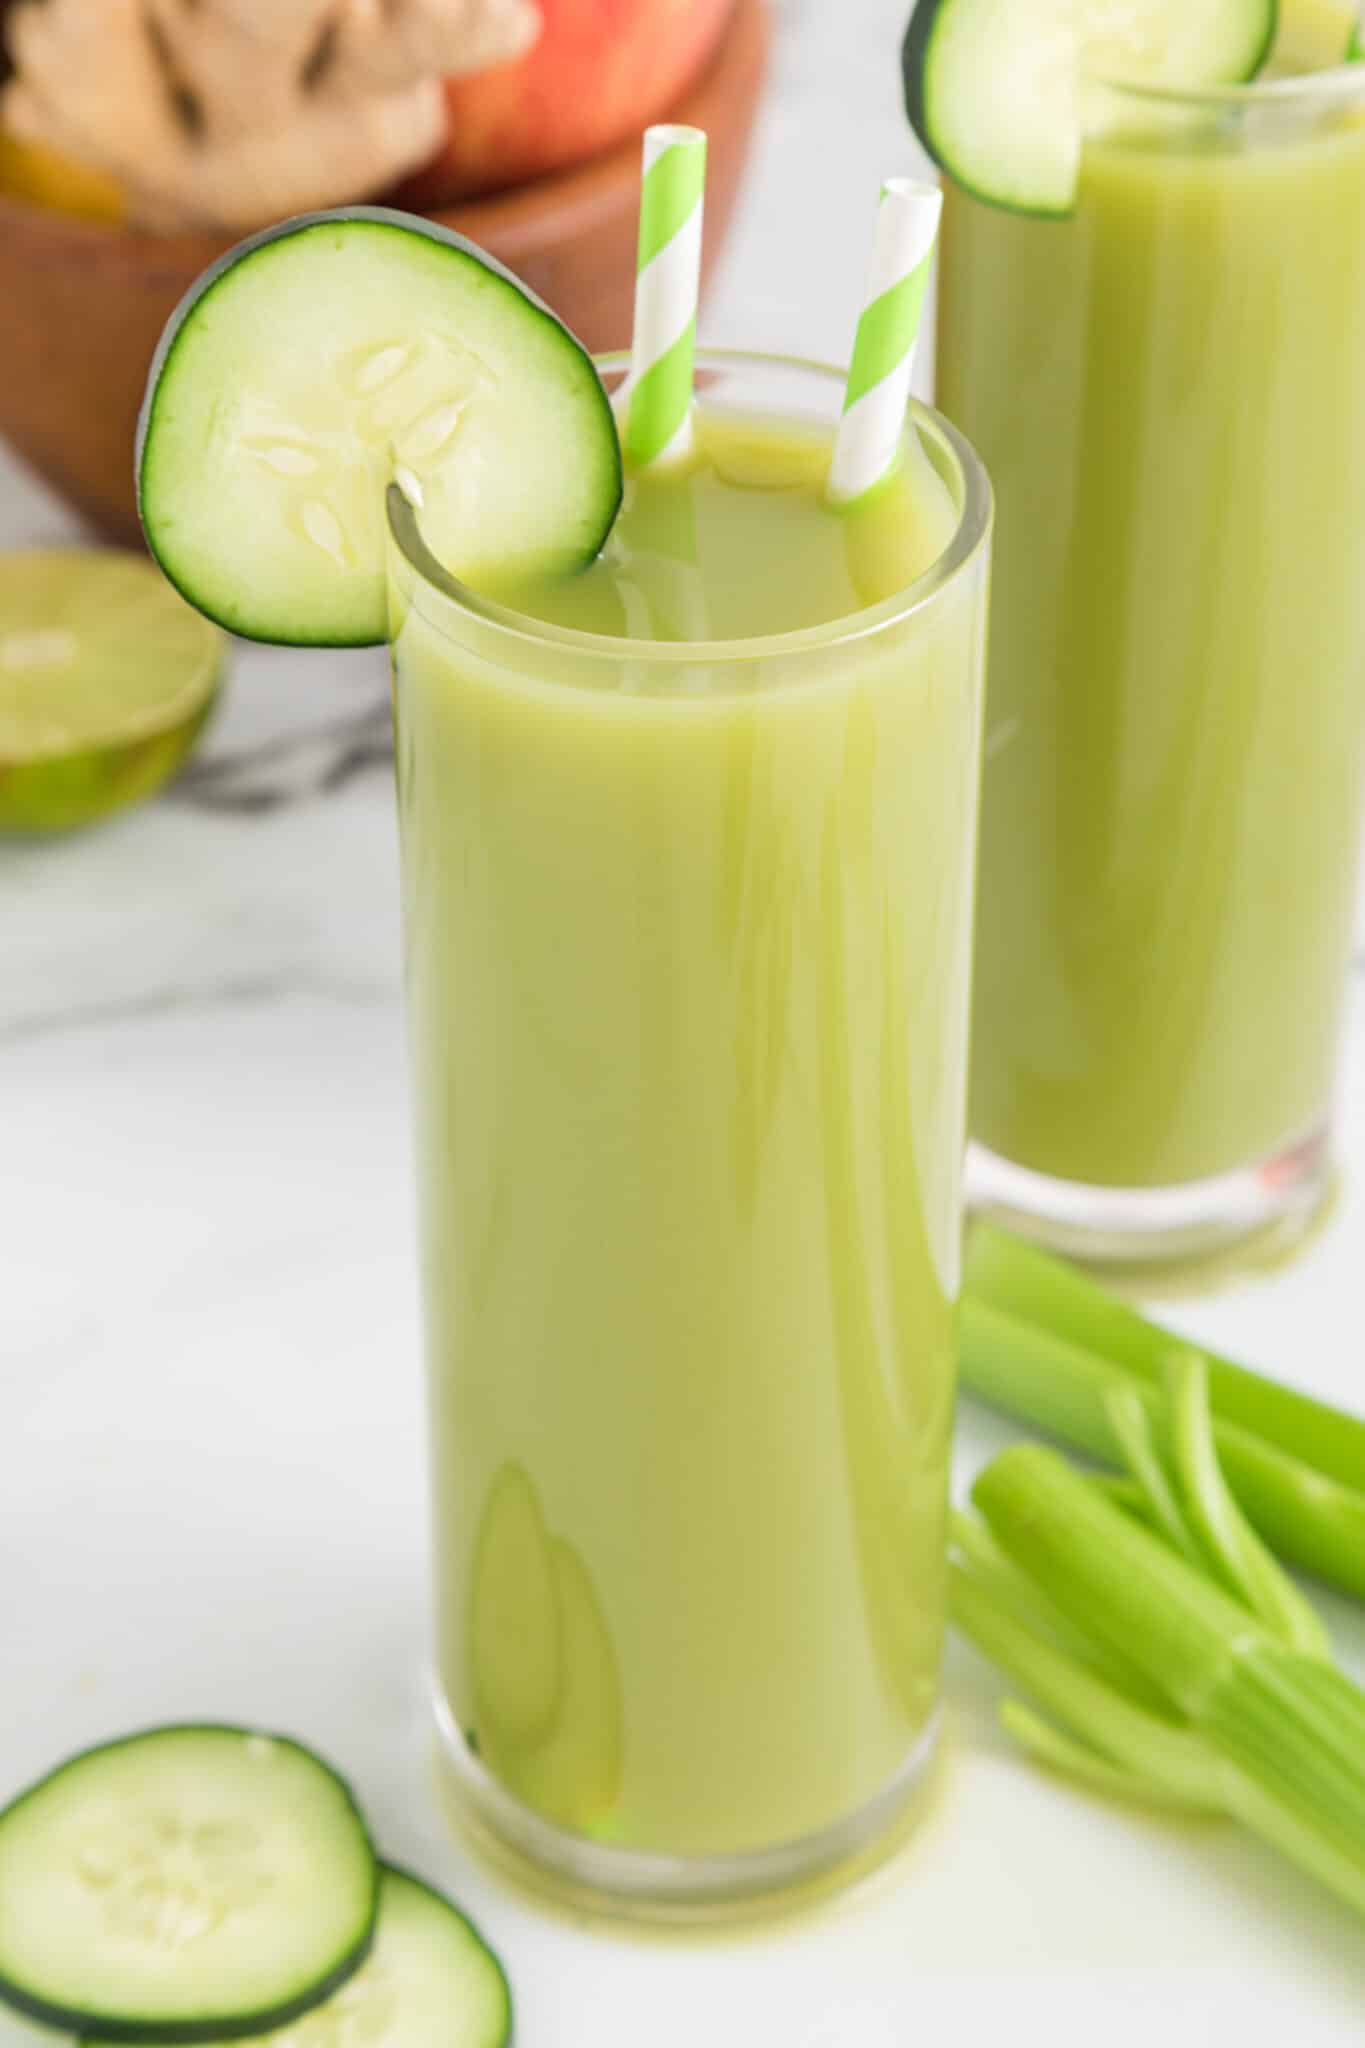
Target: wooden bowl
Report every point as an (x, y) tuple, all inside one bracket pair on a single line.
[(83, 304)]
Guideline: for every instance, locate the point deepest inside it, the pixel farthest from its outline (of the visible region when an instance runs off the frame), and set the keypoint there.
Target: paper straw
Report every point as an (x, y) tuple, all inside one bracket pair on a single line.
[(668, 271), (868, 444)]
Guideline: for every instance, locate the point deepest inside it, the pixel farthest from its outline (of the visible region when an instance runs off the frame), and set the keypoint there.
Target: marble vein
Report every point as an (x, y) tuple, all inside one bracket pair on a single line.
[(236, 992)]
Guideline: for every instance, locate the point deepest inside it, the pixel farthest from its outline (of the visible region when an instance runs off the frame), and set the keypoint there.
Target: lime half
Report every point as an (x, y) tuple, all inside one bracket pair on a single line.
[(106, 678)]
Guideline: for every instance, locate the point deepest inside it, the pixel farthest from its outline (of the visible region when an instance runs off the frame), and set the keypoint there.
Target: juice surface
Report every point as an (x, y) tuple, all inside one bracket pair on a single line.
[(742, 544), (1166, 389), (688, 962)]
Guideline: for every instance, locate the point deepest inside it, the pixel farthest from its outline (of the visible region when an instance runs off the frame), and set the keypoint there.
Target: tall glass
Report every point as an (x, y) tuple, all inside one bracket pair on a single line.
[(1167, 389), (688, 946)]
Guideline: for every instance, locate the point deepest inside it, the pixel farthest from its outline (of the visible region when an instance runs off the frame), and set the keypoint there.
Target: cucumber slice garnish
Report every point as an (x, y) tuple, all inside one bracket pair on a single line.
[(322, 360), (431, 1982), (996, 89), (189, 1884)]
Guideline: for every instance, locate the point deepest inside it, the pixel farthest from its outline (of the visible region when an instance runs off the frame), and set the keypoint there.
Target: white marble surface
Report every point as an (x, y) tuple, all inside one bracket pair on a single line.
[(210, 1409)]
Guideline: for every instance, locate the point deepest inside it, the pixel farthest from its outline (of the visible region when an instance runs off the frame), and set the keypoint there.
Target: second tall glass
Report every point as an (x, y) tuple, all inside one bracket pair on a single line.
[(1167, 389)]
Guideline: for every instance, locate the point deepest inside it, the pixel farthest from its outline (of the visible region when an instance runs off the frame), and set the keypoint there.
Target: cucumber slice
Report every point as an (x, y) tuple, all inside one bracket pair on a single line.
[(323, 359), (431, 1982), (189, 1884), (995, 89)]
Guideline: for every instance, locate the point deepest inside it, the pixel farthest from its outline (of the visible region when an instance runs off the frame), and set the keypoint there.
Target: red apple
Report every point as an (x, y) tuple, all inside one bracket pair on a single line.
[(600, 71)]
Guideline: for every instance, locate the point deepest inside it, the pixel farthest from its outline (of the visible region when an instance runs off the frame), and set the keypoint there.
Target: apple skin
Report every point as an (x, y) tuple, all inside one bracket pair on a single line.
[(600, 71)]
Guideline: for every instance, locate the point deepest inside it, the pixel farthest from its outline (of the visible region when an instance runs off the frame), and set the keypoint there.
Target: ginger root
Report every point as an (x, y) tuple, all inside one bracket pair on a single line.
[(229, 114)]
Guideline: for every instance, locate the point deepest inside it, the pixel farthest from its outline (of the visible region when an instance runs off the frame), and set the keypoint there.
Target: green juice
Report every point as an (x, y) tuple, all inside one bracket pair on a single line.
[(1166, 389), (688, 938)]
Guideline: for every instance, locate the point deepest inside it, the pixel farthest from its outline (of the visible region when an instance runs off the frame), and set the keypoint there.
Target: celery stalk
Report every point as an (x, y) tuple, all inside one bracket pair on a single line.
[(1148, 1745), (1297, 1763), (1125, 1493), (1011, 1588), (1062, 1388), (1004, 1272), (1309, 1519), (1231, 1545), (1048, 1381), (1070, 1759), (1287, 1731), (1136, 1439), (1019, 1597), (1111, 1577)]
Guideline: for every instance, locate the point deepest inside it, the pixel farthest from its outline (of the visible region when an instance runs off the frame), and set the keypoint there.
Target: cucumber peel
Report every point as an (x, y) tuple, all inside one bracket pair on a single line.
[(996, 90), (330, 356)]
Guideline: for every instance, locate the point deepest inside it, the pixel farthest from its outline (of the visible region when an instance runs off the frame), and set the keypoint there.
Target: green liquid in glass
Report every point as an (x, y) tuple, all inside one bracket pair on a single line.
[(1167, 390), (688, 962)]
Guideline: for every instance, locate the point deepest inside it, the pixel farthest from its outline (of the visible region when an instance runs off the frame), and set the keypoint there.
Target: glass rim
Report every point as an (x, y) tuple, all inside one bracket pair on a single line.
[(1336, 83), (520, 631)]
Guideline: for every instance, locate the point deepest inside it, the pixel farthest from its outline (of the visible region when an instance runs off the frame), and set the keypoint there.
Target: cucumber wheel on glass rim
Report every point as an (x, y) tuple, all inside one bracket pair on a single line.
[(329, 357), (995, 88)]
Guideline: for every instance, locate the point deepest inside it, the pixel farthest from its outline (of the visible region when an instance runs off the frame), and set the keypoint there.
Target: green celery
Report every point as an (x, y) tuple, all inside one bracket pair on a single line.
[(1231, 1545), (1007, 1274), (1110, 1577), (1148, 1745), (1292, 1732), (1057, 1752), (1017, 1595), (1135, 1435), (1064, 1388), (1174, 1462), (1286, 1731), (1011, 1588), (1125, 1493)]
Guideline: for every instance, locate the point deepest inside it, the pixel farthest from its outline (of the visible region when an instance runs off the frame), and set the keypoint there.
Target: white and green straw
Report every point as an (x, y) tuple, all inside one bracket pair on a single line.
[(668, 271), (868, 444)]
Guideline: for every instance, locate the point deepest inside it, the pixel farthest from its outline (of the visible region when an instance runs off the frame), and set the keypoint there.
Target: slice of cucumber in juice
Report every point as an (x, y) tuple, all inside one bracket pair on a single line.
[(996, 89), (574, 1774), (106, 679), (331, 356), (514, 1635)]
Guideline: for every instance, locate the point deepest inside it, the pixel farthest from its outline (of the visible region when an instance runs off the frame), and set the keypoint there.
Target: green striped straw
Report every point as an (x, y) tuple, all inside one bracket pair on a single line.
[(658, 397), (868, 444)]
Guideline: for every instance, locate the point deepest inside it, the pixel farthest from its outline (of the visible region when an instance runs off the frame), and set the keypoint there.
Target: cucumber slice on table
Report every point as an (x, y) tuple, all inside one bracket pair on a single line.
[(995, 88), (322, 360), (185, 1885), (431, 1982)]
